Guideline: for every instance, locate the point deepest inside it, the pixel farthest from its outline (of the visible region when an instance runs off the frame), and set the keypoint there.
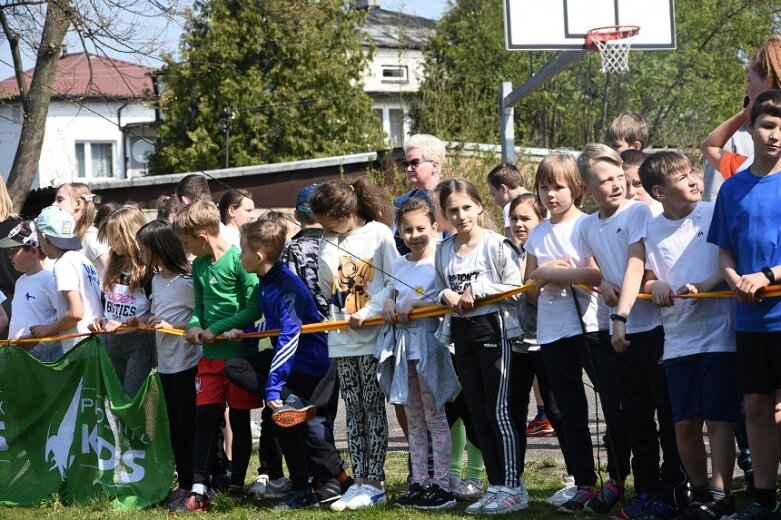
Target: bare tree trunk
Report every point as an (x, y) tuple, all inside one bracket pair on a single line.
[(28, 153)]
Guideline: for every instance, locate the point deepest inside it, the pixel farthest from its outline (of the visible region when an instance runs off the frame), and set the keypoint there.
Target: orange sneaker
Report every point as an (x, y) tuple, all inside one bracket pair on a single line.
[(539, 428)]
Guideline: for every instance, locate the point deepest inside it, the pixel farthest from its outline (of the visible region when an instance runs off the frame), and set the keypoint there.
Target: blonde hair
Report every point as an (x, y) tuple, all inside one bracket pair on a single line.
[(80, 191), (628, 127), (123, 225), (267, 234), (431, 148), (766, 63), (6, 205), (559, 165), (200, 216), (594, 153)]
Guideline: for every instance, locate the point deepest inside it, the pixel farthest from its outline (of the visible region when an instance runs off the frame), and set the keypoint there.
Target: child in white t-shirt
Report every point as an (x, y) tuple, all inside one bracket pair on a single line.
[(35, 294), (76, 280), (568, 329), (414, 368), (699, 351), (614, 237), (126, 289)]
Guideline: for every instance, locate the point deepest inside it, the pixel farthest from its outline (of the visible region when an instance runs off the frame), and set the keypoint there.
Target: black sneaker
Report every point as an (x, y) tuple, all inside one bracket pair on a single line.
[(294, 411), (716, 510), (299, 499), (238, 494), (411, 497), (329, 490), (435, 498)]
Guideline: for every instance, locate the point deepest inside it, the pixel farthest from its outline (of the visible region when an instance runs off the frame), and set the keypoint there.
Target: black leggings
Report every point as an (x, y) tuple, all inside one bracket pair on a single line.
[(207, 426)]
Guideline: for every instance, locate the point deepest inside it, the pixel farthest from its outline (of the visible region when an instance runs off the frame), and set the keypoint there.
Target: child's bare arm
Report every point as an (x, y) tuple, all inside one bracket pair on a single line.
[(68, 319), (630, 288), (712, 147)]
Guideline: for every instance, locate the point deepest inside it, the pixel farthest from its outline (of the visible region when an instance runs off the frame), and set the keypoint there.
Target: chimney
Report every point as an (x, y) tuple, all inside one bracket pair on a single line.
[(367, 4)]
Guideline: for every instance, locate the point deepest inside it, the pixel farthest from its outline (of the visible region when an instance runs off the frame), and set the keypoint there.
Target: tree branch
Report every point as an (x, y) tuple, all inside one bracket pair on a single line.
[(13, 42)]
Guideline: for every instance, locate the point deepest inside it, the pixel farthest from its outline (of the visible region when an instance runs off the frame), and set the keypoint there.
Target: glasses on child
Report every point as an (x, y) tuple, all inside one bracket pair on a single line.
[(413, 164)]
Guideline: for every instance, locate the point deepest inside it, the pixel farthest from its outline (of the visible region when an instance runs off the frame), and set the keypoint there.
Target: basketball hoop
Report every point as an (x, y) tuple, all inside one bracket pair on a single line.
[(613, 43)]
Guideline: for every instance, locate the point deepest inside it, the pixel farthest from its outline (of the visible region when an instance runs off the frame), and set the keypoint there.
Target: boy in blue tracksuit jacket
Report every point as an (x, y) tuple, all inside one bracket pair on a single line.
[(299, 361)]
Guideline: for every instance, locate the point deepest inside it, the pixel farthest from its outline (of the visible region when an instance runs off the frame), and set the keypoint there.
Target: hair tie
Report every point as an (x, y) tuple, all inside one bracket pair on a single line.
[(351, 187), (88, 196)]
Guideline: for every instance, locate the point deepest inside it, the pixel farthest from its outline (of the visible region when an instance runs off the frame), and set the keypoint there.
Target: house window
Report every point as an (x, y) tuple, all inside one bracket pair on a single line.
[(94, 160), (396, 137), (394, 74)]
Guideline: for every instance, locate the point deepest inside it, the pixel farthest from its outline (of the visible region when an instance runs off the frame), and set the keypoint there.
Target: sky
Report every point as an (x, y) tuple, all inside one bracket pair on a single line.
[(169, 39)]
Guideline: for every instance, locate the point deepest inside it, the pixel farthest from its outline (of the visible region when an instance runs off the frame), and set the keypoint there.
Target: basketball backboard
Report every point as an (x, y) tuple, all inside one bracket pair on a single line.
[(562, 24)]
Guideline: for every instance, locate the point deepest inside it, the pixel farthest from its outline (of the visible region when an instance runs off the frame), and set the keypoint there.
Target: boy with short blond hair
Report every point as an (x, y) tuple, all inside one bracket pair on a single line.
[(699, 352), (298, 362), (627, 131), (505, 182), (224, 299), (35, 293), (744, 227), (614, 237)]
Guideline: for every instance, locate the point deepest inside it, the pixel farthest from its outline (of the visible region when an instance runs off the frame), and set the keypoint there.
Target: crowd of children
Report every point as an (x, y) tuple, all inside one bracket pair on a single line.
[(663, 364)]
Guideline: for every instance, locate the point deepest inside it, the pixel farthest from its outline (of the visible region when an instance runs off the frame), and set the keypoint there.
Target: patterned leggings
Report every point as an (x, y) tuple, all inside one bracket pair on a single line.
[(367, 425), (422, 415)]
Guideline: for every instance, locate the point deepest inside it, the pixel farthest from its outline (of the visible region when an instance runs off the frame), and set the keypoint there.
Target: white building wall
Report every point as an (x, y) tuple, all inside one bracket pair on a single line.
[(411, 60), (69, 123), (392, 96)]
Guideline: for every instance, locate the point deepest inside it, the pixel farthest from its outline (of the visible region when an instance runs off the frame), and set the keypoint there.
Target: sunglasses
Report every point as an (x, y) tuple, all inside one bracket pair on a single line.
[(413, 164)]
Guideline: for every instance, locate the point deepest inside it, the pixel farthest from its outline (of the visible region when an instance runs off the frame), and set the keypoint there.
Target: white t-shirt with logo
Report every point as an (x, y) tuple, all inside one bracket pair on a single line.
[(34, 303), (74, 272), (557, 316), (608, 240), (173, 300), (123, 303), (468, 269), (414, 280), (678, 252)]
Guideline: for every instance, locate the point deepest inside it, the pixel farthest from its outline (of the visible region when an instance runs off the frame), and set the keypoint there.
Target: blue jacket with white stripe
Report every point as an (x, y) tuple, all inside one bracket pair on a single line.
[(287, 304)]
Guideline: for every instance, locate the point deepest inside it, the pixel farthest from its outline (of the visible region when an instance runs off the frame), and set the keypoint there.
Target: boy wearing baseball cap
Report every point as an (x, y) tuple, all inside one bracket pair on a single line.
[(35, 295), (75, 278)]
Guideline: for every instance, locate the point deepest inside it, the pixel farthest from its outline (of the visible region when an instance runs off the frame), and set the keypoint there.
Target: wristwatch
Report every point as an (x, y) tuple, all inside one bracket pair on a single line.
[(617, 317), (768, 272)]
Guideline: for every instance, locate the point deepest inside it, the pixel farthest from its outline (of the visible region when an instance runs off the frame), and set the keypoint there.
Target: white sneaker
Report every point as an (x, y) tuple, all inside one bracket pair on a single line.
[(507, 500), (477, 507), (278, 488), (341, 504), (564, 494), (468, 489), (258, 488), (367, 497)]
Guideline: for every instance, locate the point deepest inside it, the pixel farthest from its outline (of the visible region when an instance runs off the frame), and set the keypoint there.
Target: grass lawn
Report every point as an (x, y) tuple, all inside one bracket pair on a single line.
[(542, 477)]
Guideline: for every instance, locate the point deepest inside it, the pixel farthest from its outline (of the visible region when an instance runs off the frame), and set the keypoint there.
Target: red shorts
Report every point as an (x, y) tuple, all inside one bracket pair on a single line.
[(212, 387)]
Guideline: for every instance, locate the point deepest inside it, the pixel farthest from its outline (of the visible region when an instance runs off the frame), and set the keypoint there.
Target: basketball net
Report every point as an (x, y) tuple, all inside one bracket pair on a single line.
[(613, 44)]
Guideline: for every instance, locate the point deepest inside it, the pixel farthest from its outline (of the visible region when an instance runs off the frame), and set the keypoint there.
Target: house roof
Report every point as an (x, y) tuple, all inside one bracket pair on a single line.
[(395, 30), (110, 78)]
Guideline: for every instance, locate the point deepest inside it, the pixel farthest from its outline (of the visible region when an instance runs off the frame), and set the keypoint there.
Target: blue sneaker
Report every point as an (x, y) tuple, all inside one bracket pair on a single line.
[(646, 507)]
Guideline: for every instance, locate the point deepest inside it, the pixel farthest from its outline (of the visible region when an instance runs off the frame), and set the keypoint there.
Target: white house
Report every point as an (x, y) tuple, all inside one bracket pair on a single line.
[(98, 126), (396, 71)]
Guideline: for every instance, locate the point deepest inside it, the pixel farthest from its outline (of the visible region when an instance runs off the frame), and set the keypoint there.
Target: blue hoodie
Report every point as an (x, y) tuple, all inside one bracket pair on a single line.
[(287, 304)]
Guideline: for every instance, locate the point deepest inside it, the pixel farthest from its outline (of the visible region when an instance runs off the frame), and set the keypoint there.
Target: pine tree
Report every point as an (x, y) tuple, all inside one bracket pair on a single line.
[(284, 74)]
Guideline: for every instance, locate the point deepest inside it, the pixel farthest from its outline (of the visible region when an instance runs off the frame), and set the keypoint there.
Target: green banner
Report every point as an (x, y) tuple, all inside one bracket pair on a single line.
[(69, 428)]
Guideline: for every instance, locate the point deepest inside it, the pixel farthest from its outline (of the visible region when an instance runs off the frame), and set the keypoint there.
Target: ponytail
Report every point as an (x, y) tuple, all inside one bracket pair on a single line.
[(338, 199)]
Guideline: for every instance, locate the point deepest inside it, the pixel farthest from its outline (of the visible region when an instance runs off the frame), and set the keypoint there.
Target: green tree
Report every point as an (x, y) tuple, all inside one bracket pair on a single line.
[(288, 70), (683, 94)]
